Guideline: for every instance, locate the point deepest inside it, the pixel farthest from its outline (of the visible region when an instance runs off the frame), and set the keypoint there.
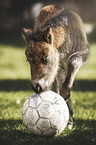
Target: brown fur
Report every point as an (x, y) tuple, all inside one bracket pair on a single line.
[(56, 49), (45, 14), (34, 57)]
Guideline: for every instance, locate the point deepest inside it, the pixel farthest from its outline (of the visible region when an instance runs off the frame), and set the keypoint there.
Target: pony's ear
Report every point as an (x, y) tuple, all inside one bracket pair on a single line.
[(49, 35), (26, 33)]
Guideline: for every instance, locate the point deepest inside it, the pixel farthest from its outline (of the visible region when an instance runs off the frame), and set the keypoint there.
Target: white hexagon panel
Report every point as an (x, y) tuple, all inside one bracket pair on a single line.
[(43, 124), (30, 117), (35, 100), (46, 109)]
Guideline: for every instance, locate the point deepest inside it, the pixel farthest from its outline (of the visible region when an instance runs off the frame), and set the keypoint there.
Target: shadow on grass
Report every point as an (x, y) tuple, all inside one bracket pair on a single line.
[(13, 133), (84, 85), (15, 85), (24, 85)]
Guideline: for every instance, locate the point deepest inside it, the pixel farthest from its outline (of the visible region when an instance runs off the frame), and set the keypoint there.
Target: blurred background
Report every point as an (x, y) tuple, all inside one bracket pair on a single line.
[(17, 14), (15, 78)]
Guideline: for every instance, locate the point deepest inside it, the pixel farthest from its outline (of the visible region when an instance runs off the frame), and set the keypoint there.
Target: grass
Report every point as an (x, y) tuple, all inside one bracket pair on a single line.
[(15, 89)]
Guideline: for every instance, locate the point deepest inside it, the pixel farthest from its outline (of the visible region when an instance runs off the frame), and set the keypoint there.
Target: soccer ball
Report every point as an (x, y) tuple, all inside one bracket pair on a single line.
[(45, 114)]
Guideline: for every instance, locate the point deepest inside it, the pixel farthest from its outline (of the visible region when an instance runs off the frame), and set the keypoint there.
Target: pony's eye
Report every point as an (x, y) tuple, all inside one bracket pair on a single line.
[(44, 60)]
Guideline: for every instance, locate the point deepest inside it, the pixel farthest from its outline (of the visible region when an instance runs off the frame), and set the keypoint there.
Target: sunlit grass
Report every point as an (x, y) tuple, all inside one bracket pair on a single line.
[(88, 71), (11, 104), (13, 63), (84, 105)]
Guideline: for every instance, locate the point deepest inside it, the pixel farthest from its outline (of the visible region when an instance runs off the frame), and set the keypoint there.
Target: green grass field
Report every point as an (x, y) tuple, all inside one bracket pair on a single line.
[(15, 89)]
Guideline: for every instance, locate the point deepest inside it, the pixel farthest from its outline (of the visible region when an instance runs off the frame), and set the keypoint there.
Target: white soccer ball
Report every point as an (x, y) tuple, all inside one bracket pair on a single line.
[(45, 114)]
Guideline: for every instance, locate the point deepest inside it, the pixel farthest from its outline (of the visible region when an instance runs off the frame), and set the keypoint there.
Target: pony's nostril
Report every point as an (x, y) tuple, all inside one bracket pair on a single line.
[(38, 88)]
